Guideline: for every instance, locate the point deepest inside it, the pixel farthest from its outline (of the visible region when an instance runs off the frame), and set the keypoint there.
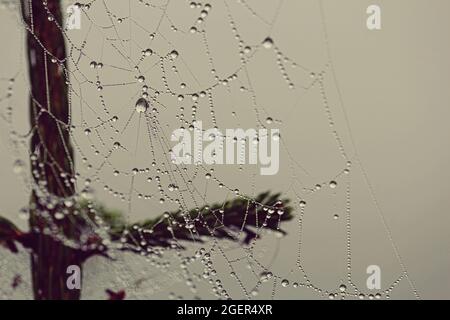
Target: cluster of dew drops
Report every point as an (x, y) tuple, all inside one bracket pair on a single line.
[(144, 103)]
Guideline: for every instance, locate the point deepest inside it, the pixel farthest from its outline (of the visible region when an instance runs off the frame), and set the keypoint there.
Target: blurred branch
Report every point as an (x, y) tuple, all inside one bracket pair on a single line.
[(230, 220), (238, 220)]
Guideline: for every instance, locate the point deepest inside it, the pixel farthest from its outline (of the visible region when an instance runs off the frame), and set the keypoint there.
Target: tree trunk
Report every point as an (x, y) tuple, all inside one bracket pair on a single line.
[(51, 151)]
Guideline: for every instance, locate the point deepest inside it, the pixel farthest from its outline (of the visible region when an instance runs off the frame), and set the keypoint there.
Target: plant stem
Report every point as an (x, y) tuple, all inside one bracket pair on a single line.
[(52, 162)]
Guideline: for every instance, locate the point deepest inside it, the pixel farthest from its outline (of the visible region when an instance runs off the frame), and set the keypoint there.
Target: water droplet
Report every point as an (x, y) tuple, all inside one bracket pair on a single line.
[(59, 216), (141, 105), (268, 43), (86, 193), (68, 203), (148, 52), (18, 166), (284, 282), (263, 277), (174, 54), (276, 136), (24, 214)]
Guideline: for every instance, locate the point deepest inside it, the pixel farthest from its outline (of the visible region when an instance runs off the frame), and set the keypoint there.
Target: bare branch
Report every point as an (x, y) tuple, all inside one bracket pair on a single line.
[(9, 234)]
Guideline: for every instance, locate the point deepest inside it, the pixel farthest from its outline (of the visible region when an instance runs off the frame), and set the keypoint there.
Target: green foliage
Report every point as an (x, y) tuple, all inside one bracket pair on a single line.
[(113, 218), (229, 220)]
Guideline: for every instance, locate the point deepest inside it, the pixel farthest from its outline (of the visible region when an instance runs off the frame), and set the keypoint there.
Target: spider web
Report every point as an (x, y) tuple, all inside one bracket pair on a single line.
[(225, 64)]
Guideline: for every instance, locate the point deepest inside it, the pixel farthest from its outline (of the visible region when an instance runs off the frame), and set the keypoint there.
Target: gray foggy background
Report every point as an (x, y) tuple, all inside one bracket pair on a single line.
[(392, 90)]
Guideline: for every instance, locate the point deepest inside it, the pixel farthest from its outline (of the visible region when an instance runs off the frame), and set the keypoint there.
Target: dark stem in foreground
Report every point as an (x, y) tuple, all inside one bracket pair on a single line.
[(50, 148)]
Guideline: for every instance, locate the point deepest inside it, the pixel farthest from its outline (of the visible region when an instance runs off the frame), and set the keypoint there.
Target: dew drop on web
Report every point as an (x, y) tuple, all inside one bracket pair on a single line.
[(141, 105), (268, 43)]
